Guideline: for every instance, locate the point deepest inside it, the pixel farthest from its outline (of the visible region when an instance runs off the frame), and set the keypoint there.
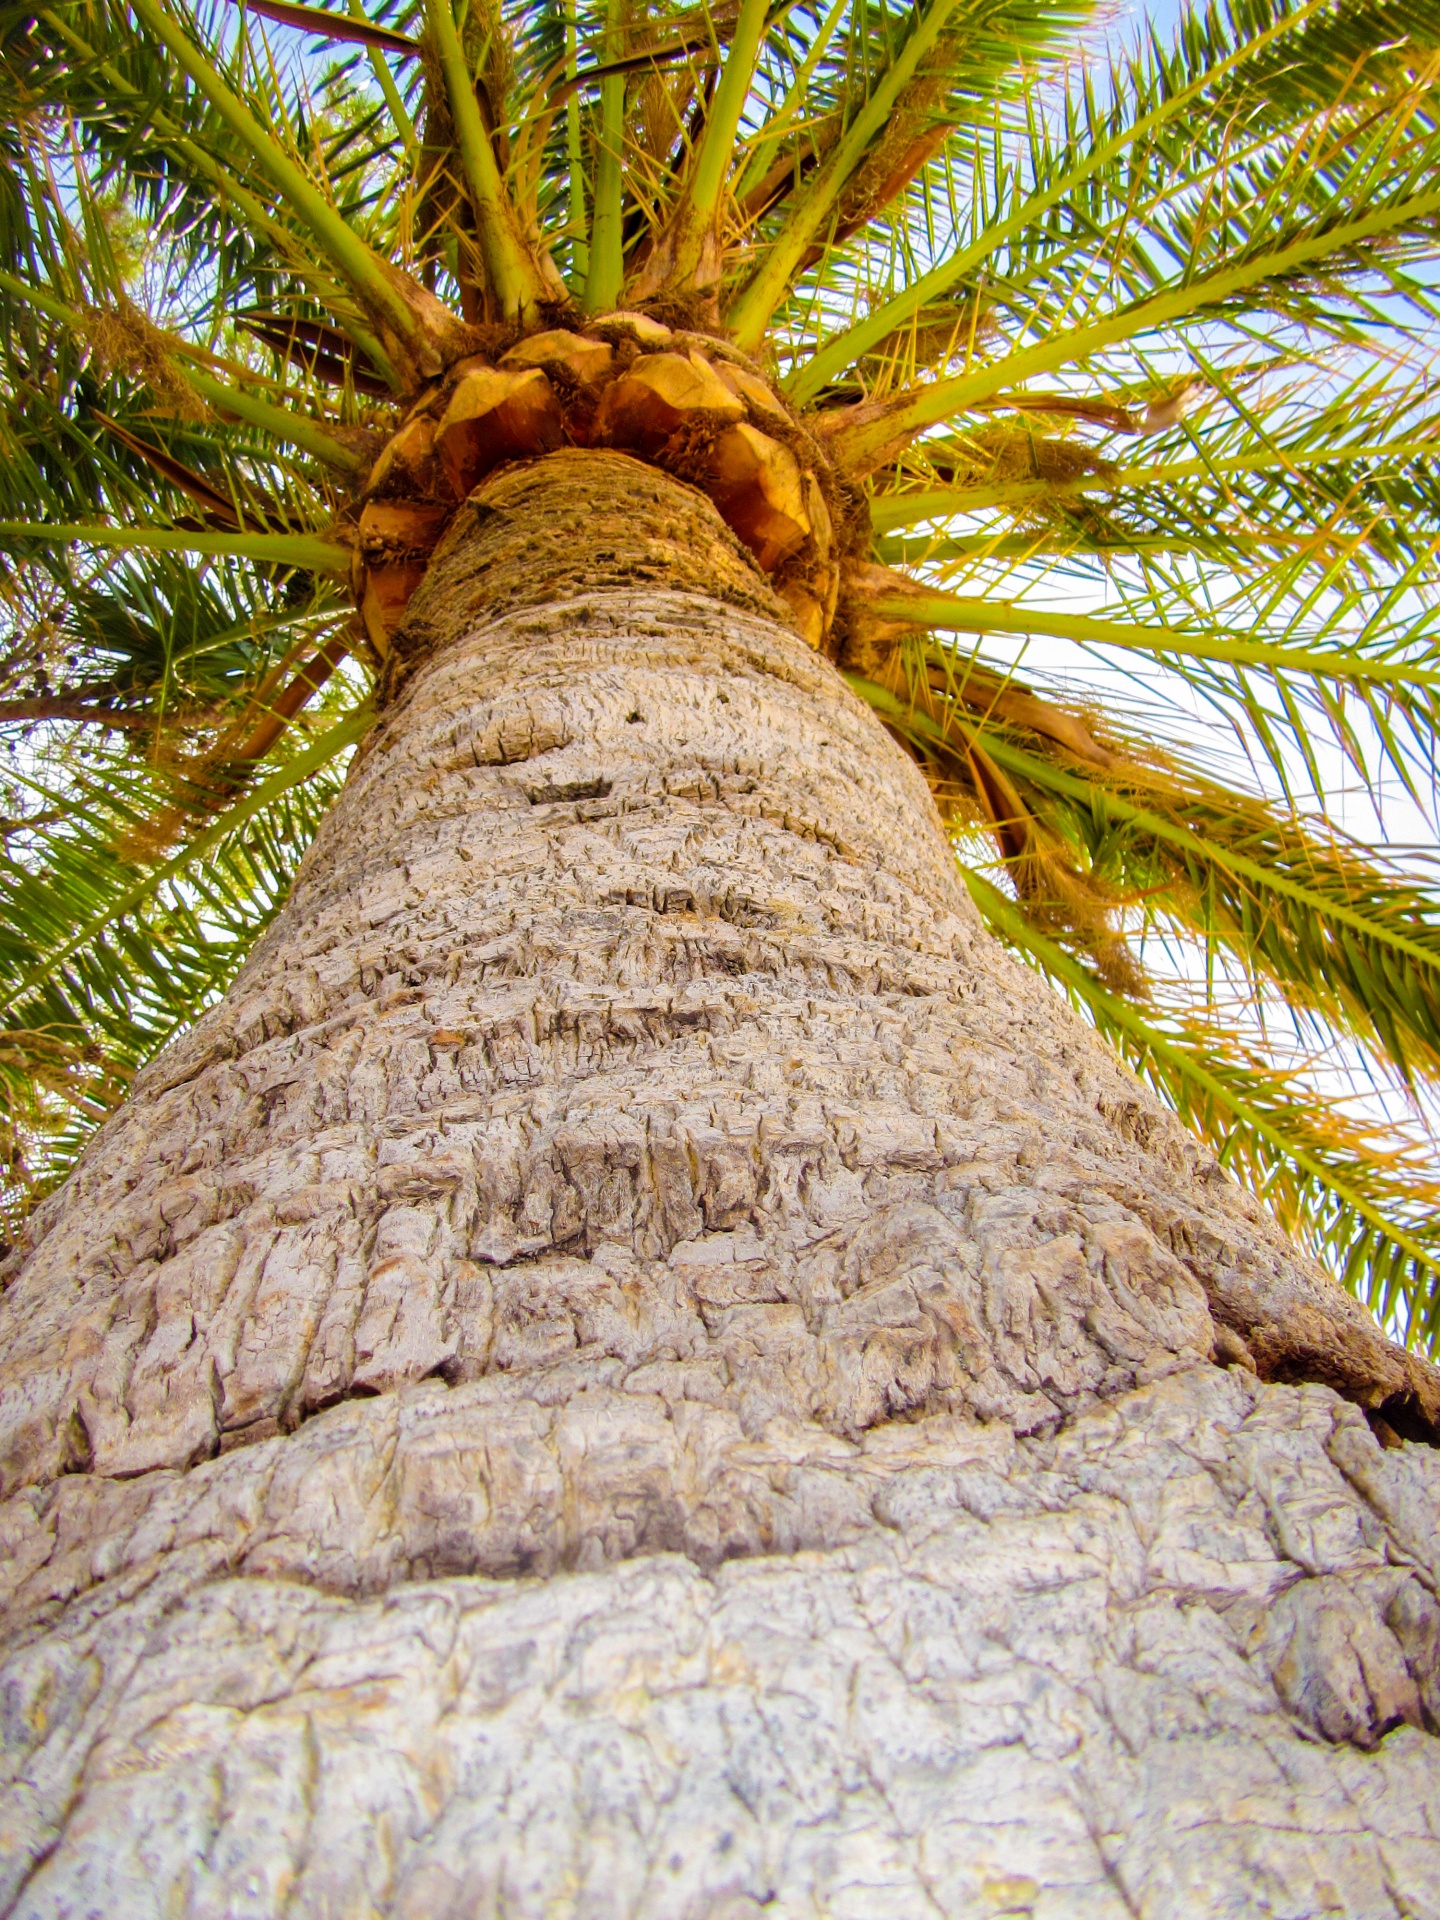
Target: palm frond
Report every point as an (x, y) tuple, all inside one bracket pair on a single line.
[(106, 950), (1158, 176), (1364, 1204), (1293, 904)]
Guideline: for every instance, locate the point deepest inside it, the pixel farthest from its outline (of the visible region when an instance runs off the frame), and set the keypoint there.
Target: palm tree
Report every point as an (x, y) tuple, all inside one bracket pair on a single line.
[(625, 1358)]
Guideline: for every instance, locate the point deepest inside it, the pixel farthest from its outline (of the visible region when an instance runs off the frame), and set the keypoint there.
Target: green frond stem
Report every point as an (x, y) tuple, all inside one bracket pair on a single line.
[(1181, 1071), (308, 552), (955, 613), (687, 251), (309, 761), (748, 316), (767, 142), (579, 225), (606, 276), (515, 280), (1062, 540), (399, 112), (928, 549), (281, 423), (370, 278), (844, 349), (897, 424), (41, 301)]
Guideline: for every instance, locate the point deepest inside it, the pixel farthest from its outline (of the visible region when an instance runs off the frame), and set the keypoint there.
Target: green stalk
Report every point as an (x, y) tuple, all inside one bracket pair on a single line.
[(995, 546), (307, 550), (846, 348), (379, 66), (515, 279), (775, 128), (957, 614), (45, 303), (1012, 925), (362, 268), (343, 734), (892, 513), (606, 277), (749, 316), (708, 170), (945, 398), (697, 211), (279, 422), (575, 153)]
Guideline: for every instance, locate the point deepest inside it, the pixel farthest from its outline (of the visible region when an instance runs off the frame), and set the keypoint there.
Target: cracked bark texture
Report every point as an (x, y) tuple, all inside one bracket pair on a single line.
[(638, 1365)]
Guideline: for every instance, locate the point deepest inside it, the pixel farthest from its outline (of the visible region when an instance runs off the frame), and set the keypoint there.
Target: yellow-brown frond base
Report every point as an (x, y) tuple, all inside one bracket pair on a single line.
[(679, 401)]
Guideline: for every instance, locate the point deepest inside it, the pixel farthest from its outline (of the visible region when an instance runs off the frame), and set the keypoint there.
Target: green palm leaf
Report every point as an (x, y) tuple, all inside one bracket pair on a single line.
[(106, 950)]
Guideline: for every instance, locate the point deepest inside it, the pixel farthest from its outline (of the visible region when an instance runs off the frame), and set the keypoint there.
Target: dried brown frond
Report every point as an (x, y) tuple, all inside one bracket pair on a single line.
[(490, 55), (1056, 897), (1009, 450), (659, 99), (438, 194), (123, 339), (930, 344)]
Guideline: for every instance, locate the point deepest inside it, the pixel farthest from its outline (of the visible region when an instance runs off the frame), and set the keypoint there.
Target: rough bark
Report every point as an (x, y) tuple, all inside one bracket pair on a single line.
[(638, 1365)]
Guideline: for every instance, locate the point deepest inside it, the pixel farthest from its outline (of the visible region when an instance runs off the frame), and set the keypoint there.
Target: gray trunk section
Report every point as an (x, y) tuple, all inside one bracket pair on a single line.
[(638, 1365)]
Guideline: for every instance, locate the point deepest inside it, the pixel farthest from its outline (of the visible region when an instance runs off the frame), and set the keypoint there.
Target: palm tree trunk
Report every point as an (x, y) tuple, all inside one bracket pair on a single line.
[(637, 1365)]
